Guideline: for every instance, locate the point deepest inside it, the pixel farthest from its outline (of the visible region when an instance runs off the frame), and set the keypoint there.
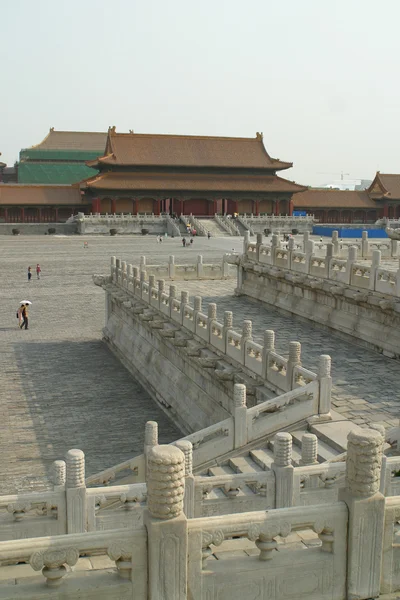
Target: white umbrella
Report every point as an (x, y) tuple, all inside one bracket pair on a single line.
[(25, 302)]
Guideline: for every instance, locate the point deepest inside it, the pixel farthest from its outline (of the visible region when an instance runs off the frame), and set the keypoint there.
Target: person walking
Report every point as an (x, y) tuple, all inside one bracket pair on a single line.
[(38, 271), (24, 313), (184, 242), (208, 235), (29, 273)]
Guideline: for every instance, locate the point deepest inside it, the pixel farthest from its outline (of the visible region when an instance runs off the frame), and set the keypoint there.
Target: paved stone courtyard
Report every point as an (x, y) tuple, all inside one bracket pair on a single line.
[(62, 388)]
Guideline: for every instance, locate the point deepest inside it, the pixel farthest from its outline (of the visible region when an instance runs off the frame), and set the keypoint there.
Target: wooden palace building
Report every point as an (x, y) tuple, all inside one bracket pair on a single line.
[(182, 174)]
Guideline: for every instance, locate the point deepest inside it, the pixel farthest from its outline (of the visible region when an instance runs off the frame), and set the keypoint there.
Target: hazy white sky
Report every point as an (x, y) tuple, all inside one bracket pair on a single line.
[(319, 78)]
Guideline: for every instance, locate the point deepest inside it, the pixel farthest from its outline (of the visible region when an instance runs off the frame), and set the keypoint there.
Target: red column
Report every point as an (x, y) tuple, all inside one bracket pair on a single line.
[(385, 210), (95, 205), (22, 215), (156, 207), (40, 215), (276, 207), (290, 207), (134, 206), (257, 208), (214, 206), (113, 205), (6, 215)]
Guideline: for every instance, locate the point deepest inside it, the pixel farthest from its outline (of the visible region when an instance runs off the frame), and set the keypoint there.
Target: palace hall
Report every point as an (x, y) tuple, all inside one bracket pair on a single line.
[(147, 173)]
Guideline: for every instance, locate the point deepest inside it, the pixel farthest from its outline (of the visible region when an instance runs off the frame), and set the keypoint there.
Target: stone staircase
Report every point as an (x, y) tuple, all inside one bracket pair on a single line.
[(213, 227), (260, 459)]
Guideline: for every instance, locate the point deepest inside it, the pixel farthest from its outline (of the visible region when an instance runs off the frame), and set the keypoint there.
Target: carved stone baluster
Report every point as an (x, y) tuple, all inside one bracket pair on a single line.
[(52, 563), (266, 543), (121, 553), (327, 538)]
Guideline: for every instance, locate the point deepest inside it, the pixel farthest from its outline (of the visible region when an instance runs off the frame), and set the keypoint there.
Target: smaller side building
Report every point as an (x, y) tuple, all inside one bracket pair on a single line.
[(39, 203)]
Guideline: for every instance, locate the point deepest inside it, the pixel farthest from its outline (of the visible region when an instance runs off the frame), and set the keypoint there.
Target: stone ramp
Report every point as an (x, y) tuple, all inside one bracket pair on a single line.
[(365, 383)]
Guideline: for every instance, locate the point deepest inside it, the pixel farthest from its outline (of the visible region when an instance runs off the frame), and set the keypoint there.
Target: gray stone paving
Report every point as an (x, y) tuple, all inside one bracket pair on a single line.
[(60, 387), (366, 384)]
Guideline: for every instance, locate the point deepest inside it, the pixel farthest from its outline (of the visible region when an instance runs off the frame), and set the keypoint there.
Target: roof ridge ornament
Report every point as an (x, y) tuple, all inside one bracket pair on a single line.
[(111, 129), (259, 136)]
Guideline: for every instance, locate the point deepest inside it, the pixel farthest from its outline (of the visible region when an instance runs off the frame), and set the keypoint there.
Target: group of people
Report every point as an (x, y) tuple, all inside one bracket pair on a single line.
[(38, 271), (185, 242)]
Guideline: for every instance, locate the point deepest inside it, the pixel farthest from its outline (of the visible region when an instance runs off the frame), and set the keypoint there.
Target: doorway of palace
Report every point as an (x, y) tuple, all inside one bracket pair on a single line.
[(105, 206), (145, 205), (124, 205), (245, 206), (197, 206)]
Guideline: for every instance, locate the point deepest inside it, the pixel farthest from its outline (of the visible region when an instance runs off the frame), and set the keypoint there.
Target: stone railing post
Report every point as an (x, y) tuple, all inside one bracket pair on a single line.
[(310, 249), (228, 324), (150, 439), (225, 267), (129, 276), (376, 261), (328, 258), (118, 270), (161, 290), (142, 263), (152, 285), (166, 524), (258, 244), (291, 248), (212, 316), (294, 360), (197, 302), (394, 248), (59, 474), (199, 266), (283, 469), (240, 414), (123, 273), (172, 295), (364, 244), (76, 492), (184, 302), (306, 238), (269, 346), (366, 507), (113, 268), (188, 502), (351, 259), (171, 266), (246, 241), (247, 336), (143, 275), (309, 449), (335, 243), (325, 387)]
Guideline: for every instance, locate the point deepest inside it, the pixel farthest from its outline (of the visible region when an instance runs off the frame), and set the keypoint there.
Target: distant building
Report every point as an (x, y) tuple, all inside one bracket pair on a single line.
[(348, 184), (61, 158), (331, 205)]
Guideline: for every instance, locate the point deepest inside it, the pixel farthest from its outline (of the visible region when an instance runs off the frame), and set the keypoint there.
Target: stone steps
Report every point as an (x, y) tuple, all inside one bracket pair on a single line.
[(214, 228)]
